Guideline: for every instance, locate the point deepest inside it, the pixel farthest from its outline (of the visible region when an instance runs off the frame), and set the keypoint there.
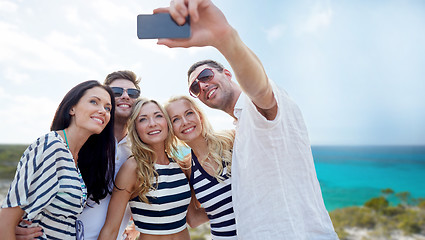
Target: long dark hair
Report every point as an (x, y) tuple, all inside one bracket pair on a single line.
[(96, 158)]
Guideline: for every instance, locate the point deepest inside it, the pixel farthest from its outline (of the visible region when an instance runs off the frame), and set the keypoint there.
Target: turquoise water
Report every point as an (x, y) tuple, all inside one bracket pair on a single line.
[(349, 176)]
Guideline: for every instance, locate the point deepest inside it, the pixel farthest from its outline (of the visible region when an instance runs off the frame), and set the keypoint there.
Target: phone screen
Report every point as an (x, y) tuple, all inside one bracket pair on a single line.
[(160, 25)]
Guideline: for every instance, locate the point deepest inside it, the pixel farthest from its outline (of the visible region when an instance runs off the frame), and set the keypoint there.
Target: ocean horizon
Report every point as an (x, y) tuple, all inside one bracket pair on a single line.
[(351, 175)]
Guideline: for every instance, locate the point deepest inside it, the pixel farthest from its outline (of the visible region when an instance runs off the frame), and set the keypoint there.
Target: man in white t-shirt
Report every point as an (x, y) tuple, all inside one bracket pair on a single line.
[(125, 86), (275, 191)]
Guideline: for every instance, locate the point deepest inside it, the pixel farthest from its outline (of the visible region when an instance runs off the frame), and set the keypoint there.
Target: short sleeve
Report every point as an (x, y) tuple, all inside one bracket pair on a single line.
[(36, 182)]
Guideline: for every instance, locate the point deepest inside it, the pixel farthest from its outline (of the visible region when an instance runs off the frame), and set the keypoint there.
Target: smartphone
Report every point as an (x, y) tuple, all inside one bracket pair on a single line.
[(160, 25)]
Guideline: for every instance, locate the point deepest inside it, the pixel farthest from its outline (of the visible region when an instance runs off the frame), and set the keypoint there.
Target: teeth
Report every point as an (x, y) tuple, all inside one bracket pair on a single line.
[(124, 105), (154, 132), (188, 130), (98, 120), (211, 93)]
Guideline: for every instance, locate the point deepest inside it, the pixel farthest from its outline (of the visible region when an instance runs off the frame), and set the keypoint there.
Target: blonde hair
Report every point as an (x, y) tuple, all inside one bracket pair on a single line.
[(220, 144), (143, 153)]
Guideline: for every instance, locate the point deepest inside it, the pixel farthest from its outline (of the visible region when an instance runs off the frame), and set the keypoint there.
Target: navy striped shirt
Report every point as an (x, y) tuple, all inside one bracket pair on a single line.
[(48, 187), (167, 208), (216, 198)]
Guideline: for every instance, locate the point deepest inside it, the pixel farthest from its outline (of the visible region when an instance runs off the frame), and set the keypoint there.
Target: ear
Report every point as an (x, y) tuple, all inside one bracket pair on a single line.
[(72, 111), (227, 73)]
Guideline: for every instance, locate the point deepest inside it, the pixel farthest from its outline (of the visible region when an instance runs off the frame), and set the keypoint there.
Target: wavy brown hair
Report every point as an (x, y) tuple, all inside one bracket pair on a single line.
[(220, 143), (143, 153)]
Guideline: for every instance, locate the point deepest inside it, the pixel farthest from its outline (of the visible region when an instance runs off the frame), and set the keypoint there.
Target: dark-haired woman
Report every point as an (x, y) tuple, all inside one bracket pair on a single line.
[(62, 168)]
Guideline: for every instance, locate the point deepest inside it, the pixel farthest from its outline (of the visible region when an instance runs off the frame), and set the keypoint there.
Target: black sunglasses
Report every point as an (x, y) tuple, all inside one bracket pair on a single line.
[(204, 76), (131, 92)]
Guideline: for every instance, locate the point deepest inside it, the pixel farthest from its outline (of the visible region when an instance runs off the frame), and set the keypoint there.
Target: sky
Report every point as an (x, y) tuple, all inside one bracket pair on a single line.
[(356, 69)]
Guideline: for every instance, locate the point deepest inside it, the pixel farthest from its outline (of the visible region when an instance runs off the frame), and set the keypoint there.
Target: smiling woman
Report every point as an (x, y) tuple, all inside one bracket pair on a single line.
[(151, 181), (61, 169)]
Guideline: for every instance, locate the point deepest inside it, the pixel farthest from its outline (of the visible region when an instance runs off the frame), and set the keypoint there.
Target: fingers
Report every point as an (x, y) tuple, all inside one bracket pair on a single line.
[(193, 11), (26, 222), (28, 233), (161, 10), (131, 233), (173, 42), (178, 11)]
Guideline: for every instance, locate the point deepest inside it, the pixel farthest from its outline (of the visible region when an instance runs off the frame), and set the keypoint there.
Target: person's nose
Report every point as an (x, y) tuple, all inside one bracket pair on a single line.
[(152, 122), (125, 94), (204, 86), (184, 120), (102, 110)]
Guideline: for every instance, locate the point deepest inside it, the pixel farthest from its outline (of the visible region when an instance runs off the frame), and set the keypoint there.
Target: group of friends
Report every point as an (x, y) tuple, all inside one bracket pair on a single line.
[(111, 167)]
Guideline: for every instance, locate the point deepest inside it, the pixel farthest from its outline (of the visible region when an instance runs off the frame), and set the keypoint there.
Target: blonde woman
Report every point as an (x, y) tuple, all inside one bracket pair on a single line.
[(211, 159), (151, 182)]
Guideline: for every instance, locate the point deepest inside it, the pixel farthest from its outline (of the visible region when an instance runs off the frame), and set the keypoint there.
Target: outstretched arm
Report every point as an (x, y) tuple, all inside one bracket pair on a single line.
[(210, 28), (125, 184)]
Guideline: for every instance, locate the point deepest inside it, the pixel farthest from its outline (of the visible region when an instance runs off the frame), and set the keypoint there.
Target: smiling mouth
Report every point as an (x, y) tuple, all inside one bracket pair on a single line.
[(188, 130), (124, 105), (98, 120), (154, 132), (210, 93)]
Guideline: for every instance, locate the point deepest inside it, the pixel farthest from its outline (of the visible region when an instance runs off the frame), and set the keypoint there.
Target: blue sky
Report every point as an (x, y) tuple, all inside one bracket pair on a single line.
[(355, 68)]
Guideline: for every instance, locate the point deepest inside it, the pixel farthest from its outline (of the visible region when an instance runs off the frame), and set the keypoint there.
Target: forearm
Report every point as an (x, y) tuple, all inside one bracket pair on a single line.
[(248, 69), (9, 219), (7, 231), (196, 215), (108, 233), (114, 217)]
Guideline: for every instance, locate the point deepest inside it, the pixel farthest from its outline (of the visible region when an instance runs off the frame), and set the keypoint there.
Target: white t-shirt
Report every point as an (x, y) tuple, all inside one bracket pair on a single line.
[(276, 194), (94, 217)]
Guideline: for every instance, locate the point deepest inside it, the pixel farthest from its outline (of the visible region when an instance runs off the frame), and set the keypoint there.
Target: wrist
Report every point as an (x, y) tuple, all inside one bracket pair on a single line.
[(228, 41)]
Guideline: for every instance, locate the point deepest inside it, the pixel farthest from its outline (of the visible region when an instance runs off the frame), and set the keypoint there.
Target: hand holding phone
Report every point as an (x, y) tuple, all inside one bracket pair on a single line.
[(160, 25)]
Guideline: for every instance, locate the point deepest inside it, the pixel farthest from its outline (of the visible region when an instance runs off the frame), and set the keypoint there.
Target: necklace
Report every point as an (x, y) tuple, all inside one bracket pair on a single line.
[(66, 140)]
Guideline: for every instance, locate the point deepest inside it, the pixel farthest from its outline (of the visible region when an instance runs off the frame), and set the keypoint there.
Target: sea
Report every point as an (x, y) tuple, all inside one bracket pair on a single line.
[(351, 175)]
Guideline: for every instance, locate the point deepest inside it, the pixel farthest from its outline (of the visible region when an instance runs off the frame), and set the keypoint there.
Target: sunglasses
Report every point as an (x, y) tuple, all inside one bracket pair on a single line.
[(205, 76), (131, 92)]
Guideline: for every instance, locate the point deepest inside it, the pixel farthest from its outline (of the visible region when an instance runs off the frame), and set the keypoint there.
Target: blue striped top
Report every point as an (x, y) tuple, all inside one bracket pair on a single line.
[(48, 187), (216, 198), (166, 213)]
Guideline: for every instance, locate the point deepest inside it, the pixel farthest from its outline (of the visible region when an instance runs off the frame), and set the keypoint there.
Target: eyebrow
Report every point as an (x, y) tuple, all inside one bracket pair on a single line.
[(145, 115), (185, 111), (98, 98), (94, 96)]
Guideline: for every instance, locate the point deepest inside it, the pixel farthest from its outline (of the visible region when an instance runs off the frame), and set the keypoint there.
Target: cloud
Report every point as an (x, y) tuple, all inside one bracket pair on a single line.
[(112, 12), (53, 52), (319, 18), (29, 117), (73, 17), (8, 6), (15, 76), (275, 32)]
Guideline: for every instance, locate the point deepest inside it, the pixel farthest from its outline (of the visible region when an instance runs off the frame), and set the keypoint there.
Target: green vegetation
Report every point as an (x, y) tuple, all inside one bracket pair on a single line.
[(9, 158), (380, 218)]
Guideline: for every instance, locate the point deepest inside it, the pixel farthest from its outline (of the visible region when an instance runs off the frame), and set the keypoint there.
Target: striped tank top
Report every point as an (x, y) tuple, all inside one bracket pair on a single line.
[(216, 198), (166, 213)]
